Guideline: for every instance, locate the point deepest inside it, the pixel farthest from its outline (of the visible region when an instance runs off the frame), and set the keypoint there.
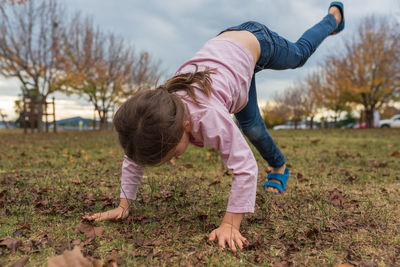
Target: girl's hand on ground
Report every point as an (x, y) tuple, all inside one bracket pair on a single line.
[(114, 214), (227, 233)]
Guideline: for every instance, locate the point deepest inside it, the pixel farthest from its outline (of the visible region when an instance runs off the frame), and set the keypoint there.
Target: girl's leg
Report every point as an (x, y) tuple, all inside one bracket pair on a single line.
[(278, 53), (253, 126), (284, 54)]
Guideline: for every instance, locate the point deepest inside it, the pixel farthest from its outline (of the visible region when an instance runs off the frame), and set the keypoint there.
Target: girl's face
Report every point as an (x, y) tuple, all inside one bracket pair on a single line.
[(182, 145)]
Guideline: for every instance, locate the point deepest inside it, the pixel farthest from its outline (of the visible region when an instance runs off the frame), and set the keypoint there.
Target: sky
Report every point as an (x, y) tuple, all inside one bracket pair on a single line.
[(173, 31)]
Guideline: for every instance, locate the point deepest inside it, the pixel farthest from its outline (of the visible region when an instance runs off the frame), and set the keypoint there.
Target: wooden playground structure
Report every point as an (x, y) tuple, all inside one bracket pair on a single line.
[(31, 113)]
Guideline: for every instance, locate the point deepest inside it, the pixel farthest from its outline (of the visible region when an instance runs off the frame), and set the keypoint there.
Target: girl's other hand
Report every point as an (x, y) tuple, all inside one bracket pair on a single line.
[(114, 214), (228, 234)]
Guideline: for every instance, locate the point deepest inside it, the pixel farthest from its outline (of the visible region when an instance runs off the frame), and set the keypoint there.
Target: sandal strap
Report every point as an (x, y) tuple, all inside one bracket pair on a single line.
[(274, 185), (283, 178)]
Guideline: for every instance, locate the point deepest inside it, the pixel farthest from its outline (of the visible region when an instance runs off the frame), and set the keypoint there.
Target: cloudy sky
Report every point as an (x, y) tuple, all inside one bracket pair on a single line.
[(173, 30)]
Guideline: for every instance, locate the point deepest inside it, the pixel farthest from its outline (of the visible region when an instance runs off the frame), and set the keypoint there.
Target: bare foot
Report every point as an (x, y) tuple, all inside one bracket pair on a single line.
[(280, 170), (335, 11)]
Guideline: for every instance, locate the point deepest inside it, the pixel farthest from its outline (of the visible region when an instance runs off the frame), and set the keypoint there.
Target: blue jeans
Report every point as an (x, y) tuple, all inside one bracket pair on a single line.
[(277, 53)]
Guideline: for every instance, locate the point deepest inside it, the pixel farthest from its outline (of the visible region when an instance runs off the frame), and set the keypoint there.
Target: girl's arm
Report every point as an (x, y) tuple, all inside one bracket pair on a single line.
[(219, 131), (132, 174)]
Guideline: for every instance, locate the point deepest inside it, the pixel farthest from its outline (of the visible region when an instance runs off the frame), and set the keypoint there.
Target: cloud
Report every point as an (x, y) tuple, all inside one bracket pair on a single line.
[(174, 30), (9, 87), (7, 106)]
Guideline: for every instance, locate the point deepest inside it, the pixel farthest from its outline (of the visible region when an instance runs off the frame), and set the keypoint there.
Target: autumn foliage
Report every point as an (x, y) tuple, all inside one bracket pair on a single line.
[(48, 52), (366, 73)]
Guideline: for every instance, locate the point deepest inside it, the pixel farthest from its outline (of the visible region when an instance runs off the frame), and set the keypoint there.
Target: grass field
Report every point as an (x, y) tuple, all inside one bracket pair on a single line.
[(342, 204)]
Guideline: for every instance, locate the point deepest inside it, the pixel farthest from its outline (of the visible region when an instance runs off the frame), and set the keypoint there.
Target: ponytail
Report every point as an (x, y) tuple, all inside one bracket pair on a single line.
[(190, 82)]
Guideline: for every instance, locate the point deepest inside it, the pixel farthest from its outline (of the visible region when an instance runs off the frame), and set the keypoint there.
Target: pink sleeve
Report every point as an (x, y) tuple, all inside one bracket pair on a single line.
[(219, 131), (132, 174)]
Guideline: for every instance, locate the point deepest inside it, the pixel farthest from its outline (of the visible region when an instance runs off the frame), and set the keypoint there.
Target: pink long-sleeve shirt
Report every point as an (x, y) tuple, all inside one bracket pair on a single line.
[(211, 121)]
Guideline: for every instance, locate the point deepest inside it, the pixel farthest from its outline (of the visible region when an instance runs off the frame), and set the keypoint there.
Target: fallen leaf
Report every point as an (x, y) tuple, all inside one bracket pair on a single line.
[(114, 257), (90, 231), (336, 198), (10, 243), (189, 166), (21, 262), (344, 265), (281, 264), (73, 258), (149, 256), (395, 153), (301, 178), (312, 233), (367, 263), (156, 242), (77, 181)]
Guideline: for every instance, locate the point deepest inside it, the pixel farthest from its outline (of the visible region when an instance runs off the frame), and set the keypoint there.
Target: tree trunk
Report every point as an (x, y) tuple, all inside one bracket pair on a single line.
[(369, 117), (103, 119), (39, 104), (311, 122)]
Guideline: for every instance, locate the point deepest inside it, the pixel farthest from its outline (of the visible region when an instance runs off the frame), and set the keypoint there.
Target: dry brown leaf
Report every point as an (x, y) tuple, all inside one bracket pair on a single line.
[(21, 262), (281, 264), (336, 198), (113, 258), (72, 258), (77, 181), (344, 265), (395, 153), (75, 258), (90, 231), (10, 243)]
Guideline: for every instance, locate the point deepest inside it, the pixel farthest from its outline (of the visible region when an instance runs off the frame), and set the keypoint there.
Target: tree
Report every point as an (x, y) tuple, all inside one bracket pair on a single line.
[(30, 36), (311, 96), (389, 110), (13, 2), (293, 100), (370, 69), (328, 89), (103, 68), (274, 114)]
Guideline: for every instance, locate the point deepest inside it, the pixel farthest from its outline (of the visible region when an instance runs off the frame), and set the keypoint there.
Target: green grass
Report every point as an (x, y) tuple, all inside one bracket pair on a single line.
[(47, 182)]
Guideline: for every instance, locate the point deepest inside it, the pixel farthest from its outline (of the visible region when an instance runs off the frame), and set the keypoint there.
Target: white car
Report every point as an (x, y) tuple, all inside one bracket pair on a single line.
[(393, 122), (289, 126)]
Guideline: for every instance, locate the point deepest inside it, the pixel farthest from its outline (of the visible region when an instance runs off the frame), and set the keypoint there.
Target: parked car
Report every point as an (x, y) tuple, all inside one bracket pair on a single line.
[(360, 126), (289, 126), (393, 122)]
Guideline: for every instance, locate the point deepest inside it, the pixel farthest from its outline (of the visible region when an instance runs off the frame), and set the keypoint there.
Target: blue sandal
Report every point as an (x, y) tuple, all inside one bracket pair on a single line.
[(283, 178), (340, 27)]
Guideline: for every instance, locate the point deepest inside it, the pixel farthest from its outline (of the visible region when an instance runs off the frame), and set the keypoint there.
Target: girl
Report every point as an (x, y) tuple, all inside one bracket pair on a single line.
[(195, 107)]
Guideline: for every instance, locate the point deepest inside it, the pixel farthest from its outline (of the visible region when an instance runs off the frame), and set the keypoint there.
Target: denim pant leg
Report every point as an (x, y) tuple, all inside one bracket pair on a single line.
[(278, 53), (253, 126), (283, 54)]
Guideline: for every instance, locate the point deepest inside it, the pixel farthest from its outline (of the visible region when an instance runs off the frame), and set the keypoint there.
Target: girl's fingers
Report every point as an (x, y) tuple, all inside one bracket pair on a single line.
[(232, 245), (212, 236), (221, 242), (239, 242), (96, 217), (102, 216), (244, 240)]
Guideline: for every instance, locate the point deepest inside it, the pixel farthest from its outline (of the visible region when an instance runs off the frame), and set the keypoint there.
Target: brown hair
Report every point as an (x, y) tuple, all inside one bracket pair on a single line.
[(150, 123)]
